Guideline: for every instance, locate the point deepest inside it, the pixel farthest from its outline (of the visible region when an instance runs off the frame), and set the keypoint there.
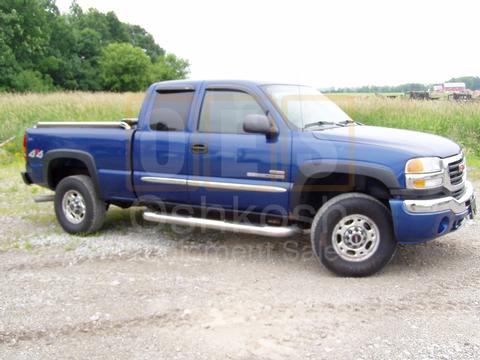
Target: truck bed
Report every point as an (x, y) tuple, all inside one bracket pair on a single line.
[(107, 144)]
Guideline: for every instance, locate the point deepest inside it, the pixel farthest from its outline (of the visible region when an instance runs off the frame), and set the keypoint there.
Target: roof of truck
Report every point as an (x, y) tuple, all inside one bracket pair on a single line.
[(188, 82)]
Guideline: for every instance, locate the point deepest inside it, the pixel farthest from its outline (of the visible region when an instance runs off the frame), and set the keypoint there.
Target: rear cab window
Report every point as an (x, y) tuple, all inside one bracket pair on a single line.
[(171, 109)]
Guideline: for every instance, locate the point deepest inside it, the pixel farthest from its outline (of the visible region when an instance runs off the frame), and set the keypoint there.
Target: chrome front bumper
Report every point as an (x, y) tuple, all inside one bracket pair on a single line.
[(466, 204)]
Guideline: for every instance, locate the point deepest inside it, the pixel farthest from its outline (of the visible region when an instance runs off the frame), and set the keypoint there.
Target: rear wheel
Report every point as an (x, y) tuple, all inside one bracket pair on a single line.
[(352, 235), (77, 206)]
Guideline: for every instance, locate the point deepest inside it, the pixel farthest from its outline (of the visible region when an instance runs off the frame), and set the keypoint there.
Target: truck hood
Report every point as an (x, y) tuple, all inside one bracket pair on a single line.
[(414, 143)]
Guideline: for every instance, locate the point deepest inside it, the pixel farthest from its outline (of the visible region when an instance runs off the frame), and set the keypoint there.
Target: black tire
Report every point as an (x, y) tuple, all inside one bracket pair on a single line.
[(337, 214), (95, 209)]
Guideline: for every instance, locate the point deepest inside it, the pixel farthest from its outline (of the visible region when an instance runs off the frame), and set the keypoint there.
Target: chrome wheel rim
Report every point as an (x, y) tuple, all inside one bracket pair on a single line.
[(355, 238), (73, 205)]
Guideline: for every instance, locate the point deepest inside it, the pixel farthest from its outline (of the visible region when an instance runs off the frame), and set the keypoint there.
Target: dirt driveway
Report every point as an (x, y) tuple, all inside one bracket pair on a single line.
[(149, 292)]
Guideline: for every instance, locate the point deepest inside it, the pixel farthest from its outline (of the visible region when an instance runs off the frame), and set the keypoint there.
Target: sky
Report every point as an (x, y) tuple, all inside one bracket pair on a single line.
[(322, 43)]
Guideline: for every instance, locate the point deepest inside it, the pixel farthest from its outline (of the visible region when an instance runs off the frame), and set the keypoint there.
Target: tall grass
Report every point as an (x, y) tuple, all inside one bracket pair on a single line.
[(18, 112), (458, 121), (455, 120)]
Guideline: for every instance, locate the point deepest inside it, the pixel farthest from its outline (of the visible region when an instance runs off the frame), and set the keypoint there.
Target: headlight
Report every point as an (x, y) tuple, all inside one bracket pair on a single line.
[(423, 165), (424, 173)]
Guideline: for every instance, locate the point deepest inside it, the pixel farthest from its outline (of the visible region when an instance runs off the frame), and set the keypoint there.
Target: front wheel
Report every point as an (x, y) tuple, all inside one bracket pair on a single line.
[(77, 206), (352, 235)]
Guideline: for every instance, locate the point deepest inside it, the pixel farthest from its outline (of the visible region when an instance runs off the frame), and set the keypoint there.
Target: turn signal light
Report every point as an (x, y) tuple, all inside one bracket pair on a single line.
[(419, 184)]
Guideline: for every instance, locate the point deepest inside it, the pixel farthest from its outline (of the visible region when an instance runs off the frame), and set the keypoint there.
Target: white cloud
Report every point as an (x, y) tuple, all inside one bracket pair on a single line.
[(323, 43)]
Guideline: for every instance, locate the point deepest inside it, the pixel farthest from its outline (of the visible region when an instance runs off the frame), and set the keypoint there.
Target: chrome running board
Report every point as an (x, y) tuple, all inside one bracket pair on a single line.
[(264, 230), (44, 198)]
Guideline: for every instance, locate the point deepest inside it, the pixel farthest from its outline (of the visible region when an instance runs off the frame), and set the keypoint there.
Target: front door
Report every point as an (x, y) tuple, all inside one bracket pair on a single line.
[(233, 169)]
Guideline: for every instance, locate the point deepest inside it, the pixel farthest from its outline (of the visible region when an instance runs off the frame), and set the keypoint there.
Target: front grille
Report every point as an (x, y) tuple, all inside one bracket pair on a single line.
[(458, 194), (456, 175)]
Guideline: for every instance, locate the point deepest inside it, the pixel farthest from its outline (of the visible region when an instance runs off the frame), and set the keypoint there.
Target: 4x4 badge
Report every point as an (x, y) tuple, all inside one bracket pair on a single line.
[(36, 153)]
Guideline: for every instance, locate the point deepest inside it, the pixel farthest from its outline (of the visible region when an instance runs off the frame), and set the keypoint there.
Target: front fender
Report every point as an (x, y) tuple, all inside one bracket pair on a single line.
[(325, 167)]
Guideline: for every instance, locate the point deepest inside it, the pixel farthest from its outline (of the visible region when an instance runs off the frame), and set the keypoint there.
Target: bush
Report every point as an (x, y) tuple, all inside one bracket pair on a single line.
[(32, 81), (169, 67), (124, 67)]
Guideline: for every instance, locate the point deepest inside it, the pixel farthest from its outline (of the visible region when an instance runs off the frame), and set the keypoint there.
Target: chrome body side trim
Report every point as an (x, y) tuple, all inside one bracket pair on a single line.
[(235, 186), (277, 172), (272, 231), (442, 204), (213, 184), (164, 180), (272, 174)]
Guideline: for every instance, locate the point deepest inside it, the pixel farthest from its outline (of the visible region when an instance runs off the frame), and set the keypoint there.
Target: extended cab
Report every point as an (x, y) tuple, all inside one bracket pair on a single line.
[(260, 158)]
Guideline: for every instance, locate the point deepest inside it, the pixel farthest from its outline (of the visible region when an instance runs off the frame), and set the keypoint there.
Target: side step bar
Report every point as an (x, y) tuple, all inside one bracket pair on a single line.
[(272, 231), (44, 198)]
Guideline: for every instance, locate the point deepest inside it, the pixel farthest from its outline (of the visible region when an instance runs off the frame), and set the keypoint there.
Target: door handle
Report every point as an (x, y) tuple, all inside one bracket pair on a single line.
[(199, 148)]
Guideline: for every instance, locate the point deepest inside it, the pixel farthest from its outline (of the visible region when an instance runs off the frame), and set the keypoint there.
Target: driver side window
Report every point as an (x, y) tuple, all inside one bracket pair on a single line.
[(224, 111)]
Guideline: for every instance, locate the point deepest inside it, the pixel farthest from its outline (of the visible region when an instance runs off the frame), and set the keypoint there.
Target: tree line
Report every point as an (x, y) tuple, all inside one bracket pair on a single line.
[(44, 50), (471, 82)]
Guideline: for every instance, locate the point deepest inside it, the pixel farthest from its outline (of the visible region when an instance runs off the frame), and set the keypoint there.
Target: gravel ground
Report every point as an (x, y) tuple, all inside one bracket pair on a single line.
[(134, 291)]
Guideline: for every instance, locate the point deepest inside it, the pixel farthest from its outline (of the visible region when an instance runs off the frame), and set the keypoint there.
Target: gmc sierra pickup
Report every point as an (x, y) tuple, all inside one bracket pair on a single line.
[(261, 158)]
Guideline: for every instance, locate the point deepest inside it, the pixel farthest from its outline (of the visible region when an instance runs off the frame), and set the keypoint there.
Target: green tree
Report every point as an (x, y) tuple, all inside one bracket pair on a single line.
[(471, 82), (8, 64), (41, 50), (24, 37), (124, 67), (89, 43), (29, 80), (25, 27), (138, 36), (169, 67), (60, 61)]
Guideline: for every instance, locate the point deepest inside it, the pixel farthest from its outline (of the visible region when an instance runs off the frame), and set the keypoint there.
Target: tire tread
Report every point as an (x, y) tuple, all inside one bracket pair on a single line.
[(352, 270), (98, 207)]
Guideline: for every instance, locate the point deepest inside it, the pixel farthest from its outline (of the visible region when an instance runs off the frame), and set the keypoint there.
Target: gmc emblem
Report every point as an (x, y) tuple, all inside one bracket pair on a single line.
[(461, 168)]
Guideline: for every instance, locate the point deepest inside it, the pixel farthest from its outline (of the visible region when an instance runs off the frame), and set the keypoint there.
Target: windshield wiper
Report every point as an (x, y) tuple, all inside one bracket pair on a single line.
[(351, 122), (347, 122), (321, 123)]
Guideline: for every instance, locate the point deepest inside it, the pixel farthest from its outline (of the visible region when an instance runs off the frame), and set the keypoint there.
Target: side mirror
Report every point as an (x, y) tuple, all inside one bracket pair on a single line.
[(259, 124)]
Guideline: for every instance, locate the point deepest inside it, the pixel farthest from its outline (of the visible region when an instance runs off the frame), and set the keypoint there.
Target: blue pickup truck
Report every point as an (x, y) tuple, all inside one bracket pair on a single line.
[(261, 158)]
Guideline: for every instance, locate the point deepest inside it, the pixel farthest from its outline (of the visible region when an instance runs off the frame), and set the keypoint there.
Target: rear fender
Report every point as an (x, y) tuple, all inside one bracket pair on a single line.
[(82, 156)]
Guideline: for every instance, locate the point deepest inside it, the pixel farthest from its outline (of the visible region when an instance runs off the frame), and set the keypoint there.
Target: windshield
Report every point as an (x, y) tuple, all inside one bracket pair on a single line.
[(306, 107)]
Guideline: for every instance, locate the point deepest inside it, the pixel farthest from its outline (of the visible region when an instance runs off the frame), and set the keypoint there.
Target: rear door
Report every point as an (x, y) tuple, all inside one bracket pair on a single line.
[(160, 163), (233, 169)]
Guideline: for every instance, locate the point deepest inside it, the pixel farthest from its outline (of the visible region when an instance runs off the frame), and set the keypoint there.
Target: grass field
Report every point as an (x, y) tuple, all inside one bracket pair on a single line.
[(17, 112), (455, 120), (458, 121)]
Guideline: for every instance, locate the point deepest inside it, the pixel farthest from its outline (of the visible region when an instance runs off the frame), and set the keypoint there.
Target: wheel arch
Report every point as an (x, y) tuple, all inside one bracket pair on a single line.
[(61, 163), (327, 179)]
